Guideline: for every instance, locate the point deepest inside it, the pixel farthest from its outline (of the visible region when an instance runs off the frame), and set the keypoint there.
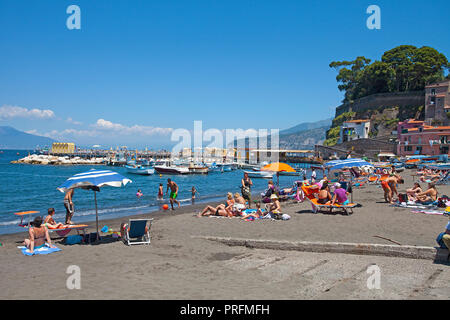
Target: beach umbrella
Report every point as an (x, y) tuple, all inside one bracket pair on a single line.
[(278, 167), (347, 163), (94, 180)]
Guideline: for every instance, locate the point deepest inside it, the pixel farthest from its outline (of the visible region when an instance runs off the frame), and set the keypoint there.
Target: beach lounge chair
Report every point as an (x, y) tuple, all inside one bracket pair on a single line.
[(309, 193), (138, 230), (444, 179)]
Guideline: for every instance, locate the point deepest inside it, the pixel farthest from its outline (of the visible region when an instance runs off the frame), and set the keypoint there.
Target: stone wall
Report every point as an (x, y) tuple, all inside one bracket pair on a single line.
[(413, 98), (361, 147)]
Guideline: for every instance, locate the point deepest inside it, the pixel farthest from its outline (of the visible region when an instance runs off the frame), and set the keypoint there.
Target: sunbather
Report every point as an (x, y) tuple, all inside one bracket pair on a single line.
[(50, 223), (224, 210), (38, 235), (324, 195), (258, 214), (412, 193), (428, 196), (340, 195), (274, 208)]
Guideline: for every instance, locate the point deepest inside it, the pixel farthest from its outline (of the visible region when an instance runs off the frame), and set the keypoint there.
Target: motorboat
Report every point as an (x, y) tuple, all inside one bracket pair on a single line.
[(260, 174), (166, 167), (137, 169)]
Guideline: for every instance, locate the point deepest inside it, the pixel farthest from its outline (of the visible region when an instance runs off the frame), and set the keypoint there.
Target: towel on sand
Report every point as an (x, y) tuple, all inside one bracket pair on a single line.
[(43, 250)]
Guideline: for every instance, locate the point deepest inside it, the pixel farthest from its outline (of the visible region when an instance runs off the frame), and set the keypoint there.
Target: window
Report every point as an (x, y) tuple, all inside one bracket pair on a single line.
[(433, 92), (408, 148)]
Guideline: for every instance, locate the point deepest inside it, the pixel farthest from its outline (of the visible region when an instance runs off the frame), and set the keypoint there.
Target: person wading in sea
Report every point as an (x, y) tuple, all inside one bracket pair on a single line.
[(173, 192), (69, 206)]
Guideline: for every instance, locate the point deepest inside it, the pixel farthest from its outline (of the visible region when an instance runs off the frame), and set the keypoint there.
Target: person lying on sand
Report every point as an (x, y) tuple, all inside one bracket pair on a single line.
[(224, 210), (38, 235), (50, 223), (258, 214)]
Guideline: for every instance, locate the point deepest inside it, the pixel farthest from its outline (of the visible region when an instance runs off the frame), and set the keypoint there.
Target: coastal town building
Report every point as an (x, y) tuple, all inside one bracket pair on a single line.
[(437, 103), (63, 148), (354, 129), (418, 138)]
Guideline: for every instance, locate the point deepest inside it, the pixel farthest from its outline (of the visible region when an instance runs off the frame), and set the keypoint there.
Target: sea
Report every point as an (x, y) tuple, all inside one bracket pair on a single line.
[(25, 187)]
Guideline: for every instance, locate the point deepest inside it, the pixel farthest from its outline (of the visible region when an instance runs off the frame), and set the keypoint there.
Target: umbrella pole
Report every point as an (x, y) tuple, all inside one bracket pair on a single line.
[(96, 213)]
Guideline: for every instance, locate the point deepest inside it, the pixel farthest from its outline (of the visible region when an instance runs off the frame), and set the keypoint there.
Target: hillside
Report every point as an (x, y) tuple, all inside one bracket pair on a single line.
[(11, 138), (302, 136)]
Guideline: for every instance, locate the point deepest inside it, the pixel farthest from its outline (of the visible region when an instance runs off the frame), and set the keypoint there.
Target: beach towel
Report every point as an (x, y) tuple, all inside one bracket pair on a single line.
[(43, 250), (431, 212)]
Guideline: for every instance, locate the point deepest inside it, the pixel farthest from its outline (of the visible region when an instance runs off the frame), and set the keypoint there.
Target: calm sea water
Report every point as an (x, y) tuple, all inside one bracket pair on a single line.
[(33, 187)]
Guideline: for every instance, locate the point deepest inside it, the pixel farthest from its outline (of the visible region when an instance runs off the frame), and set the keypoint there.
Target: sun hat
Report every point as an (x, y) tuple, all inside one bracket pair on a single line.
[(337, 185), (273, 196)]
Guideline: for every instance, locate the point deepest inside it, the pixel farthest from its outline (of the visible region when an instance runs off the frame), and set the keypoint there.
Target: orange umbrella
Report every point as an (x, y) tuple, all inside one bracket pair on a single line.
[(278, 167)]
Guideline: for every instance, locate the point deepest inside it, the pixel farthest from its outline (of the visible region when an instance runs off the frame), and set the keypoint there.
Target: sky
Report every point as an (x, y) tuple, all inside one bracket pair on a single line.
[(138, 70)]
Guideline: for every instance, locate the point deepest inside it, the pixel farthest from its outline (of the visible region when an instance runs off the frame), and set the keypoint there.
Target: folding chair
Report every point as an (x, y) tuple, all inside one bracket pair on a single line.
[(138, 230)]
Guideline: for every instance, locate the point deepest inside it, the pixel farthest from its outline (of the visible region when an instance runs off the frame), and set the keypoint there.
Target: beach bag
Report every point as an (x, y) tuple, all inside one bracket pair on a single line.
[(402, 197), (245, 192), (442, 202), (440, 241), (75, 239)]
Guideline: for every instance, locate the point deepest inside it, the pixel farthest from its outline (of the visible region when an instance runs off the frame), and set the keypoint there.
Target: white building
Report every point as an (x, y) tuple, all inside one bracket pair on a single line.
[(354, 129)]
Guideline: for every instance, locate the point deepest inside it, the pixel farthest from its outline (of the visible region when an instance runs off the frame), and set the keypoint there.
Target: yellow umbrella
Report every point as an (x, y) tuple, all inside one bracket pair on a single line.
[(278, 167)]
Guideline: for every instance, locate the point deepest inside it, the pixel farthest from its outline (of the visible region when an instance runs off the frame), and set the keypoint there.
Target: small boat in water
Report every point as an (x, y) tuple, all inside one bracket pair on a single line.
[(260, 174), (145, 171), (168, 168)]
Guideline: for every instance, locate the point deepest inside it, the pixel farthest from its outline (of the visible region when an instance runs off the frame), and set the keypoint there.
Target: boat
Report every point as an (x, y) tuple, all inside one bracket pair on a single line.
[(260, 174), (166, 167), (198, 169), (145, 171)]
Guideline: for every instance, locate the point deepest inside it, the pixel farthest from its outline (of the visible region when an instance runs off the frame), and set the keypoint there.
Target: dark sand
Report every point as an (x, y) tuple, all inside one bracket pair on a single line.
[(179, 266)]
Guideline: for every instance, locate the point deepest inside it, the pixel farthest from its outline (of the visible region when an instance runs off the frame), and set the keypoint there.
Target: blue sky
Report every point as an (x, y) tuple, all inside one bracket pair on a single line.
[(138, 69)]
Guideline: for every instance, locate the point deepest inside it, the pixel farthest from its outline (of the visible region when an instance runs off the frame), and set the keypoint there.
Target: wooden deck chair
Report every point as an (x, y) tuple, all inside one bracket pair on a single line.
[(309, 193), (138, 230)]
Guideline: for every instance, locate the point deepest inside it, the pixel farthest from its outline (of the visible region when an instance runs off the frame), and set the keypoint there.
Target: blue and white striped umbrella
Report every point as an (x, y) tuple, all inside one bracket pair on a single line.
[(347, 163), (94, 178)]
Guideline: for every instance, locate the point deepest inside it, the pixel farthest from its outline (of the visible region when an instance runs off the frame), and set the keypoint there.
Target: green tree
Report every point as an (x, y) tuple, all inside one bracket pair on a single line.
[(349, 71)]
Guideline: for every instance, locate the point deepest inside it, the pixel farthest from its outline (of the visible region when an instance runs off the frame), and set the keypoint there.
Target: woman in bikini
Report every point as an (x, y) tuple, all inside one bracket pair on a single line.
[(429, 195), (224, 210), (412, 193), (324, 195), (50, 223), (38, 235)]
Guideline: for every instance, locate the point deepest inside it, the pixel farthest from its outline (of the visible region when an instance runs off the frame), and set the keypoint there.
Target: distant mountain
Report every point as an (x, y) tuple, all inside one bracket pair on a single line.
[(305, 139), (11, 138), (302, 136), (307, 126)]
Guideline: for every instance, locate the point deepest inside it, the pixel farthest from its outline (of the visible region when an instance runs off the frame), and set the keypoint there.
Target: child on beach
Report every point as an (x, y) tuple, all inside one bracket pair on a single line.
[(194, 192), (160, 192), (50, 223), (258, 214)]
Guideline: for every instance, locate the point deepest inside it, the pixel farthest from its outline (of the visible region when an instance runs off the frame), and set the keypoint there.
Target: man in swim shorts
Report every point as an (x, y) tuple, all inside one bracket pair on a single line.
[(173, 192)]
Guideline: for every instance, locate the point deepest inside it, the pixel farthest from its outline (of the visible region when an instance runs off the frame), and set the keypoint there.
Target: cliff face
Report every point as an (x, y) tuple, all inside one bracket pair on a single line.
[(383, 110)]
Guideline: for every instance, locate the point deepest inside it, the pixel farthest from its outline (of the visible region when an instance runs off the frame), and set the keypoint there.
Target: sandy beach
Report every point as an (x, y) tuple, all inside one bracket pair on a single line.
[(180, 265)]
